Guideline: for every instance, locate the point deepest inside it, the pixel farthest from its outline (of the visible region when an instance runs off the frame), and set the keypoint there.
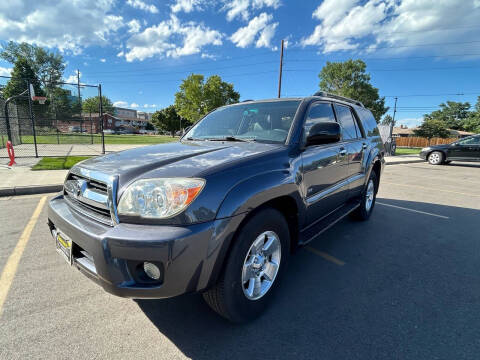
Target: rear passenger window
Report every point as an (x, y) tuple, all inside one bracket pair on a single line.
[(347, 122)]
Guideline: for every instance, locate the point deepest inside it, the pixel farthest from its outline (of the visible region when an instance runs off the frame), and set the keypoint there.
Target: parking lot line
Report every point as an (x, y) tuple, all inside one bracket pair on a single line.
[(413, 210), (10, 268), (430, 188), (326, 256)]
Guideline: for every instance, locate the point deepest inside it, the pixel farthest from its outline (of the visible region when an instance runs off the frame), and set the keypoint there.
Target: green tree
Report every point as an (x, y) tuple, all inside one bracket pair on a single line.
[(196, 98), (47, 66), (91, 105), (19, 83), (432, 128), (167, 120), (62, 105), (453, 114), (387, 120), (349, 79)]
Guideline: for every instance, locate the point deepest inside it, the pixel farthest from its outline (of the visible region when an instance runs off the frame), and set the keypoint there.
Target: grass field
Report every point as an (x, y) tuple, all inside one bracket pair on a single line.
[(97, 139), (58, 163), (407, 151)]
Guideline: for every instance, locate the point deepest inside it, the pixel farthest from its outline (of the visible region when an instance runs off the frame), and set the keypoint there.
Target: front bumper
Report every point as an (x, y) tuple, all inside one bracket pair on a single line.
[(190, 257), (423, 154)]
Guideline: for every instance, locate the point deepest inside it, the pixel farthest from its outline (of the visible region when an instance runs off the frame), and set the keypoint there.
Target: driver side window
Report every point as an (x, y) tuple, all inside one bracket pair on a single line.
[(318, 112)]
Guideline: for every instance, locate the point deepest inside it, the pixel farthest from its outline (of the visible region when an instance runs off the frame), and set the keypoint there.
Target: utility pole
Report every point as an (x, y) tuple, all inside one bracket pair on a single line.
[(280, 73), (79, 100), (394, 110)]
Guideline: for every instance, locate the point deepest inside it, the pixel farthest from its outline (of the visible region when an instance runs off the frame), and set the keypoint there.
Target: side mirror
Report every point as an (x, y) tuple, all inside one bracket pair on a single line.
[(324, 133)]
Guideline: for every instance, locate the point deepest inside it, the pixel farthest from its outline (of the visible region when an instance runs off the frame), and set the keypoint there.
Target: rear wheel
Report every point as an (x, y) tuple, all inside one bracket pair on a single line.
[(369, 196), (253, 269), (436, 158)]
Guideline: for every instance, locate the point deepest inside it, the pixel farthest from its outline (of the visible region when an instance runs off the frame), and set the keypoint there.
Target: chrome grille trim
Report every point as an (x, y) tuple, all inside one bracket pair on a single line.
[(96, 196)]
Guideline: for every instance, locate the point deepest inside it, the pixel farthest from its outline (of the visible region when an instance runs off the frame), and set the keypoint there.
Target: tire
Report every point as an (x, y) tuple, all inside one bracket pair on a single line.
[(369, 196), (231, 297), (436, 158)]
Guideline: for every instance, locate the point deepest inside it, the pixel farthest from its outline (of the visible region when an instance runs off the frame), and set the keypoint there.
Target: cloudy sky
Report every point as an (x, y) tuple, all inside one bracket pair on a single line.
[(423, 51)]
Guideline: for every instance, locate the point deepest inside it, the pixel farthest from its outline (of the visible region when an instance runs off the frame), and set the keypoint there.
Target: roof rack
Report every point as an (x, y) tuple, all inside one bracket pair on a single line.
[(338, 97)]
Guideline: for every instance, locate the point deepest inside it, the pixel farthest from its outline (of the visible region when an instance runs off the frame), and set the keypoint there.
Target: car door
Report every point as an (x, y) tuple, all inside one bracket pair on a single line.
[(355, 143), (466, 149), (324, 168)]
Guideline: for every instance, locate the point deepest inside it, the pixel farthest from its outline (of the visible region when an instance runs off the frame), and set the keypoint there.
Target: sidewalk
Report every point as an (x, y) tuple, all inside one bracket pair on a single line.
[(402, 159), (20, 180)]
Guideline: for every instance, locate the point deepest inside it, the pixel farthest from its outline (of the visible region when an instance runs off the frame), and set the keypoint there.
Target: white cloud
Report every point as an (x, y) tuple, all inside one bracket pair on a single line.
[(134, 105), (103, 60), (349, 24), (186, 5), (139, 4), (120, 54), (242, 8), (208, 56), (5, 71), (120, 103), (62, 24), (163, 40), (72, 78), (133, 26), (259, 25)]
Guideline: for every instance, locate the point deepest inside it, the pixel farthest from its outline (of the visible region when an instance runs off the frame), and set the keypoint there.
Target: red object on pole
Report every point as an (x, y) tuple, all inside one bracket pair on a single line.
[(11, 153)]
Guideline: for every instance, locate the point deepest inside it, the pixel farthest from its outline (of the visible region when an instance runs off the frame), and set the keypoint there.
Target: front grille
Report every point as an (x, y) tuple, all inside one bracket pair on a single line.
[(88, 196)]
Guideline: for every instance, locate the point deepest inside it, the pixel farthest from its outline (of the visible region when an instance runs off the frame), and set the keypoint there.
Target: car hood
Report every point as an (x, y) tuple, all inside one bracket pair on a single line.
[(438, 147), (179, 159)]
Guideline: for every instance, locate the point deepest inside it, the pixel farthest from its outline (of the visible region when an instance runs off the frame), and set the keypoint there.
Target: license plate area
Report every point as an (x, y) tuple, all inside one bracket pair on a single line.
[(64, 246)]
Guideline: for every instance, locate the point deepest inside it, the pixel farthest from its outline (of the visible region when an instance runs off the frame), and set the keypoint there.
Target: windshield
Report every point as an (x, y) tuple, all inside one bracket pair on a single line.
[(267, 121)]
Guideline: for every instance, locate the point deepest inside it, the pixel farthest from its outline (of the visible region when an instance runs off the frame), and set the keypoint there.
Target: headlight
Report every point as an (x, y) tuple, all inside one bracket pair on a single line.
[(159, 198)]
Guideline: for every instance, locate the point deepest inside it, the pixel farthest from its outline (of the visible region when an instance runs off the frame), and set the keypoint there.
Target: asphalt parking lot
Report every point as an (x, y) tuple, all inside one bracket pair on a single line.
[(404, 285)]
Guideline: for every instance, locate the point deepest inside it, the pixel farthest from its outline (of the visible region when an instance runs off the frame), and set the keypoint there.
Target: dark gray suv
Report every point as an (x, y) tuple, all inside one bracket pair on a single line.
[(220, 211)]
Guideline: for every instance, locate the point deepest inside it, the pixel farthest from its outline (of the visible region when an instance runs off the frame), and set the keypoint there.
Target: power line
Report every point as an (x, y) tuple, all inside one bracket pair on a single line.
[(400, 69), (386, 58)]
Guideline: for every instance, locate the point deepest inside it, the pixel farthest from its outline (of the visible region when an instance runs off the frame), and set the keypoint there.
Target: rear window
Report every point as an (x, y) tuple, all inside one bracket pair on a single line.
[(368, 121)]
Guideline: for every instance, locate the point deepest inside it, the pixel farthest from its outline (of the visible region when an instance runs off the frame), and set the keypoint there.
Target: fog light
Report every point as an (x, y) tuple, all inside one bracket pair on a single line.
[(152, 270)]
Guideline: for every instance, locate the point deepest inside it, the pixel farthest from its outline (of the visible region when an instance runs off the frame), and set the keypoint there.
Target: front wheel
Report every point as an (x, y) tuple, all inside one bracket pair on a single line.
[(253, 269), (369, 196), (436, 158)]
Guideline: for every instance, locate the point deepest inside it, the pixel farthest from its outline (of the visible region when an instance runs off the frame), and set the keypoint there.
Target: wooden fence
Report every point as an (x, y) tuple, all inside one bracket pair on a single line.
[(413, 141)]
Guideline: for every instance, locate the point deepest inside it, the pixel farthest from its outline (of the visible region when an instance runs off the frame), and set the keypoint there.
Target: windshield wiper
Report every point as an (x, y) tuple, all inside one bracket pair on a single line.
[(194, 139), (232, 138)]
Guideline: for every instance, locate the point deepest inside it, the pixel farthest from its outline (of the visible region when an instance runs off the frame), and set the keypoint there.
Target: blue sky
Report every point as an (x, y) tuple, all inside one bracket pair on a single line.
[(425, 52)]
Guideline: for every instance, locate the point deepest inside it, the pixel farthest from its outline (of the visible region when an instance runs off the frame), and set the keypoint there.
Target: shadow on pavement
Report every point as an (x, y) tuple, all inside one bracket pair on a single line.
[(410, 288)]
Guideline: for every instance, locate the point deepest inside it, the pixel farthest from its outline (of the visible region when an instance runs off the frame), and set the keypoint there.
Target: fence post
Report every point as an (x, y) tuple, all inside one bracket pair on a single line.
[(100, 116), (91, 129), (32, 118)]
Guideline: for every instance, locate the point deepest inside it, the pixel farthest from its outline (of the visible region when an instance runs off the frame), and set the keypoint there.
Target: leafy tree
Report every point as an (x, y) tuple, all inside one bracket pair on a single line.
[(61, 103), (167, 120), (197, 98), (47, 66), (349, 79), (18, 82), (432, 128), (387, 120), (149, 126), (453, 114), (91, 105)]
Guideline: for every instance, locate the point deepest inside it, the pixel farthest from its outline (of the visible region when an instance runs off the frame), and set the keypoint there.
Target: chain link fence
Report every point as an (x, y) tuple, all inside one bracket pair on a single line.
[(69, 122)]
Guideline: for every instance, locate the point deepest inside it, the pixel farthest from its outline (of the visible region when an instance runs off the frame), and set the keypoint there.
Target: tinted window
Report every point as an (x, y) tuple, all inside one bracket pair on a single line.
[(345, 118), (319, 112), (263, 121), (368, 121), (470, 141)]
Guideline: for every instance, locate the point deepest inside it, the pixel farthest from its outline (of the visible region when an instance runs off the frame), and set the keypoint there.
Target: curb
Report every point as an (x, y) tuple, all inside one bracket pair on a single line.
[(30, 190), (405, 162)]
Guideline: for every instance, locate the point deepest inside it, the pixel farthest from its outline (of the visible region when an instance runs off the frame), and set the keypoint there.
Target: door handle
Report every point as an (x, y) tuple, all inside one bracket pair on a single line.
[(343, 152), (364, 146)]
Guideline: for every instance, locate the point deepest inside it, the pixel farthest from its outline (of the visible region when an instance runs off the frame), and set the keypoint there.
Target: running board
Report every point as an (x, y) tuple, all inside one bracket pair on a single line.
[(325, 223)]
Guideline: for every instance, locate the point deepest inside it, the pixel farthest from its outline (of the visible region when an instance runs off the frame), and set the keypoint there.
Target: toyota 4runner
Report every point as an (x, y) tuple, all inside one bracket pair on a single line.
[(220, 211)]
